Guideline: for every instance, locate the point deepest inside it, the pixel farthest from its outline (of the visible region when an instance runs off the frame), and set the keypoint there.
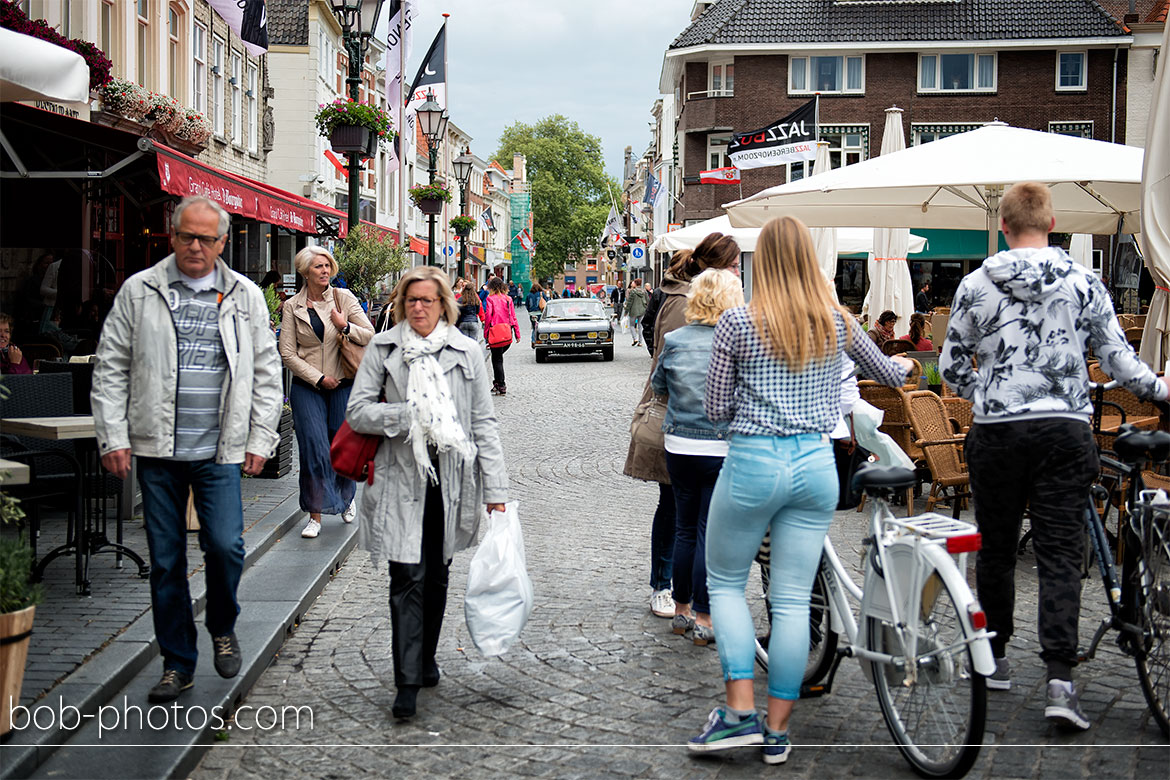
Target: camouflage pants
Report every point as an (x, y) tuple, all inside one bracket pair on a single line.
[(1045, 466)]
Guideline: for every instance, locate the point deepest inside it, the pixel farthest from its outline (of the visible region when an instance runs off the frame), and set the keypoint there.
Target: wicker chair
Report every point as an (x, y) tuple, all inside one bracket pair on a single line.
[(915, 374), (1119, 402), (1134, 336), (894, 423), (960, 411), (941, 449), (897, 346)]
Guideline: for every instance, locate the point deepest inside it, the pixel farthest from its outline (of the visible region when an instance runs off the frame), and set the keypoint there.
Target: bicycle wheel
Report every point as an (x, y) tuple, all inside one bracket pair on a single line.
[(1153, 658), (822, 640), (937, 721)]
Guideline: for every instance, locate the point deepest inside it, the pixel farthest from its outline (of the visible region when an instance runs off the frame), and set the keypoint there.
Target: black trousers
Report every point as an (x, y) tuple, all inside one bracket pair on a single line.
[(498, 364), (418, 597), (1047, 466)]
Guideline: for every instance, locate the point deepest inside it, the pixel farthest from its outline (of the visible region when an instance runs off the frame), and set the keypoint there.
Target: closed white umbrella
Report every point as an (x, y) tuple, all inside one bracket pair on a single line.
[(1080, 249), (1156, 215), (32, 69), (850, 240), (889, 273), (956, 182), (825, 239)]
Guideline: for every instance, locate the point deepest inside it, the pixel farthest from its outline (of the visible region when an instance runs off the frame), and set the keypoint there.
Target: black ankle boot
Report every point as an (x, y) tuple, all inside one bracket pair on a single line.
[(404, 702), (431, 676)]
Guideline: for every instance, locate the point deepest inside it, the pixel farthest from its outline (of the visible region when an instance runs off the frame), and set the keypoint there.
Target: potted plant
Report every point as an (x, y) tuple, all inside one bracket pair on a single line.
[(353, 127), (18, 600), (430, 197), (365, 259), (933, 378), (462, 225)]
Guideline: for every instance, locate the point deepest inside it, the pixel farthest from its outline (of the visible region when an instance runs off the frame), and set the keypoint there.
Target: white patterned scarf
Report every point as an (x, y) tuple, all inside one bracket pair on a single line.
[(433, 419)]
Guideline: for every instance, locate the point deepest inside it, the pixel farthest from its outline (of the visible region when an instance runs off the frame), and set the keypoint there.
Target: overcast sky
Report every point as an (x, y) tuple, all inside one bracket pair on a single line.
[(595, 61)]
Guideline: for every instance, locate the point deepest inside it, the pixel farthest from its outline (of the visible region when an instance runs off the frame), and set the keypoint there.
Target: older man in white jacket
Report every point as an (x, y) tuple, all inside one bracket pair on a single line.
[(188, 381)]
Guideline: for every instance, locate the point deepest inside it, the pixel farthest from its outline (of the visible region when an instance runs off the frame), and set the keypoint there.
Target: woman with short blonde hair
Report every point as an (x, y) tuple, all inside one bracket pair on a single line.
[(712, 293), (775, 380), (313, 323)]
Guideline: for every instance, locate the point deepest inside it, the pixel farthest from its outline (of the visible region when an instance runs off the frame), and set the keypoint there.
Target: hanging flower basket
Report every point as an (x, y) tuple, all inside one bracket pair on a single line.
[(462, 225), (353, 127), (430, 197), (430, 205), (354, 139)]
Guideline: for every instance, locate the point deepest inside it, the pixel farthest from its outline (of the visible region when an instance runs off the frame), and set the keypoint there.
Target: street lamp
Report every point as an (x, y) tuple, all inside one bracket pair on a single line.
[(463, 165), (358, 20), (432, 120)]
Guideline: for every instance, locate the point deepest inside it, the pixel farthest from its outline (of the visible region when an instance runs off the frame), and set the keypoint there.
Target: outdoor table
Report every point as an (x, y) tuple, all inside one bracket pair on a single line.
[(90, 536), (13, 473)]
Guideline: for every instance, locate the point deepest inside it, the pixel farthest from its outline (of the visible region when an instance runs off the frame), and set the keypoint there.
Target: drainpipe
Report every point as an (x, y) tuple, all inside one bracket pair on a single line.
[(1113, 101)]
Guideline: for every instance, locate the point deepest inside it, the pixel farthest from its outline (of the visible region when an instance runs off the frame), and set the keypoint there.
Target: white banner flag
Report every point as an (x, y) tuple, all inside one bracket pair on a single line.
[(398, 45), (248, 19)]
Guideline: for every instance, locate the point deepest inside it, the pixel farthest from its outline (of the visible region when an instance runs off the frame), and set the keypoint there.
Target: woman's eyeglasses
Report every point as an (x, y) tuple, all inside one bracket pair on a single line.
[(426, 303)]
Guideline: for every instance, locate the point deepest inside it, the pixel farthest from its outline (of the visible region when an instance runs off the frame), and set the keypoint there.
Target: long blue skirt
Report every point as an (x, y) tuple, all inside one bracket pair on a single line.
[(317, 414)]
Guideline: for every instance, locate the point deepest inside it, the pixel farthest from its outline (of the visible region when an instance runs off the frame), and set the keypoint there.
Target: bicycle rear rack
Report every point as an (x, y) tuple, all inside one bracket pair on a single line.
[(933, 526)]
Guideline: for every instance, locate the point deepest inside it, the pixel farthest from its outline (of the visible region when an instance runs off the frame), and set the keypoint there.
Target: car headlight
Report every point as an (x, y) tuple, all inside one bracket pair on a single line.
[(542, 337), (554, 336), (592, 334)]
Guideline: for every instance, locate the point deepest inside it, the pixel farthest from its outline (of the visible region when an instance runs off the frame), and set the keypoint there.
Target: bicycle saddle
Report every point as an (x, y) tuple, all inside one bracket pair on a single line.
[(1134, 445), (870, 477)]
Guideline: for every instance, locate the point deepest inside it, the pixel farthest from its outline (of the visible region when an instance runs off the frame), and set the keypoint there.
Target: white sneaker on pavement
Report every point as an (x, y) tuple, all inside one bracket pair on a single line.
[(661, 603), (312, 529), (350, 512)]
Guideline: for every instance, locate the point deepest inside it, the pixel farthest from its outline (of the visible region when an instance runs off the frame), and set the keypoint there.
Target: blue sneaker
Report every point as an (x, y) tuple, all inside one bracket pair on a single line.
[(721, 735), (776, 747)]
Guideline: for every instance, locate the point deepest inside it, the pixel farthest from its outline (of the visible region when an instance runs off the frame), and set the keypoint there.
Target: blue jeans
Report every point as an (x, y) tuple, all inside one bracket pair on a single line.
[(317, 414), (693, 479), (787, 484), (662, 540), (165, 484)]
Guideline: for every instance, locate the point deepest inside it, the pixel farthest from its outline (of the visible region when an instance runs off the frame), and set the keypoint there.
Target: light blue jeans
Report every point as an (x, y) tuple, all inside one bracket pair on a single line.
[(787, 484)]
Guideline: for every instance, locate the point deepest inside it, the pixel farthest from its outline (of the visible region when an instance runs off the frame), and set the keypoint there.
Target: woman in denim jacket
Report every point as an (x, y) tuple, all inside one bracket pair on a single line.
[(695, 446), (775, 376)]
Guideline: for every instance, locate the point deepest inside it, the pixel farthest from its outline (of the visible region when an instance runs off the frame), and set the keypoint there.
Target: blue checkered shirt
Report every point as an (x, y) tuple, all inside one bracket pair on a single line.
[(762, 396)]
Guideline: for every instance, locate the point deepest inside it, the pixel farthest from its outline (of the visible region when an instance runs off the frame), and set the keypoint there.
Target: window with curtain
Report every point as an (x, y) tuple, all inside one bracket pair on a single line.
[(830, 75), (848, 144), (145, 77), (1070, 71), (105, 36), (174, 53), (253, 96), (199, 68), (925, 133), (956, 72), (237, 85), (717, 150), (217, 81), (721, 78)]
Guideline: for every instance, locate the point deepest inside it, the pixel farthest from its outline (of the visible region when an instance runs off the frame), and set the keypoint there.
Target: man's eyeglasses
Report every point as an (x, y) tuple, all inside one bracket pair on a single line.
[(426, 303), (186, 239)]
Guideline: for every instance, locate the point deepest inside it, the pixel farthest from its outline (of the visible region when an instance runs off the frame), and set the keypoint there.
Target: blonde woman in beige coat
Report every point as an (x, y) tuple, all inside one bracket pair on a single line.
[(311, 327)]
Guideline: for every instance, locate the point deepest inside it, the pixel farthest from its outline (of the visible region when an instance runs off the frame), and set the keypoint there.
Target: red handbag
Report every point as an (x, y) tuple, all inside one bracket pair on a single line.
[(352, 453), (498, 334)]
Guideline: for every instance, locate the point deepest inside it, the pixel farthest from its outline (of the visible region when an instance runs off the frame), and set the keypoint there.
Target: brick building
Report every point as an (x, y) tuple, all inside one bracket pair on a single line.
[(951, 65)]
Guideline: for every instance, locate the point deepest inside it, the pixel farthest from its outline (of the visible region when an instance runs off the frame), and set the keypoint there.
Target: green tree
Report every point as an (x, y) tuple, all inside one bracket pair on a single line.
[(366, 258), (569, 187)]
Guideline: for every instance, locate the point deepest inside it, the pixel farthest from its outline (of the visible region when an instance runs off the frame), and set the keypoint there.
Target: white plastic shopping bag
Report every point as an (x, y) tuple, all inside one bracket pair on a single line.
[(625, 323), (499, 593)]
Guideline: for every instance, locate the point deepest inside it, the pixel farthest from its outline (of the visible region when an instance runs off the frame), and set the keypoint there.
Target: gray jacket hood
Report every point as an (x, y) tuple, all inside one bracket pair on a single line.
[(1029, 273)]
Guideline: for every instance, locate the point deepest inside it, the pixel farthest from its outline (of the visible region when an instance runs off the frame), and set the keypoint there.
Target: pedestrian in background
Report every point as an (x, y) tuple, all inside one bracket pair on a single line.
[(193, 312), (11, 358), (1028, 316), (883, 330), (636, 303), (695, 446), (775, 376), (535, 304), (313, 323), (618, 298), (442, 461), (922, 299), (499, 310), (647, 463), (917, 334)]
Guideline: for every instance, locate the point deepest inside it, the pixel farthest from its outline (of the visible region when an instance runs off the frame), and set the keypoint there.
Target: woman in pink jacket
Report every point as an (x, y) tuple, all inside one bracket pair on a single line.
[(500, 327)]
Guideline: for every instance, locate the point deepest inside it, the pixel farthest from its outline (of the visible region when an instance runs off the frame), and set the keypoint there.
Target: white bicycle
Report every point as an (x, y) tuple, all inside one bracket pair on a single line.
[(919, 633)]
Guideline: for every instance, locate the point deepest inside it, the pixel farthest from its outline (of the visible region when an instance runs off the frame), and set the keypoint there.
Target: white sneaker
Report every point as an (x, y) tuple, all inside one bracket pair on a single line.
[(661, 603), (312, 529), (350, 512)]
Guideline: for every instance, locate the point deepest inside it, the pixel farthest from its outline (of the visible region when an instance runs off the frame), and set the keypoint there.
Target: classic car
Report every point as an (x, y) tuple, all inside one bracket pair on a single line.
[(573, 326)]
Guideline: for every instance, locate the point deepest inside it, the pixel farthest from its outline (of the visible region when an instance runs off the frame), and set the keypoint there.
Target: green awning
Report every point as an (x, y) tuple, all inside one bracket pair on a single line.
[(949, 245)]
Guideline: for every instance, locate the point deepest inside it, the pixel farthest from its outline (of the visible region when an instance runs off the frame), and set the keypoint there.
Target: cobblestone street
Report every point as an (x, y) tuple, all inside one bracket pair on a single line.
[(597, 686)]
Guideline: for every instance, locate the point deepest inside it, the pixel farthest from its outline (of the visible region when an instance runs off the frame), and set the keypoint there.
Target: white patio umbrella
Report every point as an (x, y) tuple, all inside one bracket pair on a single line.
[(956, 182), (850, 240), (1156, 215), (889, 274), (825, 239), (32, 69), (1080, 249)]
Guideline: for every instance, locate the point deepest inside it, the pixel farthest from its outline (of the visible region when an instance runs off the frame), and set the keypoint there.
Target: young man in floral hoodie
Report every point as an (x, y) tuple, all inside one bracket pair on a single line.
[(1026, 318)]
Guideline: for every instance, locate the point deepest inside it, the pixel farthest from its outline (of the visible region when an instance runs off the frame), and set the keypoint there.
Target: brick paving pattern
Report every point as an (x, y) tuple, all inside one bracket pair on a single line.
[(597, 686)]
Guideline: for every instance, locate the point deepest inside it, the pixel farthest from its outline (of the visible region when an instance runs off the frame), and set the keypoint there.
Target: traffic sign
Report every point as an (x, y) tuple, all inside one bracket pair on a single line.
[(637, 253), (449, 251)]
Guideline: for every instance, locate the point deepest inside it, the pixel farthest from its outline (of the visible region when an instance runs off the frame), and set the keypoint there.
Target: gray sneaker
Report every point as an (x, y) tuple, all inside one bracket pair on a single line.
[(1001, 678), (1064, 708)]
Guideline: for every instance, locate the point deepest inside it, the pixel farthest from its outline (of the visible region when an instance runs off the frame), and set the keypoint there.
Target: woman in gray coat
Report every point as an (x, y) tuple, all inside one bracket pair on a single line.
[(423, 386)]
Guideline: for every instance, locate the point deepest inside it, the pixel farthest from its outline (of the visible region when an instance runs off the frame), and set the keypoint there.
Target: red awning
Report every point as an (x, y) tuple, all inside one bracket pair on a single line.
[(418, 245), (181, 175)]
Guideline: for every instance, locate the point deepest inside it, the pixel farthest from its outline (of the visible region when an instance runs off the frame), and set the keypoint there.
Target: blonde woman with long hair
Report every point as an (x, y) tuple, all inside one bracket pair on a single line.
[(775, 377)]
